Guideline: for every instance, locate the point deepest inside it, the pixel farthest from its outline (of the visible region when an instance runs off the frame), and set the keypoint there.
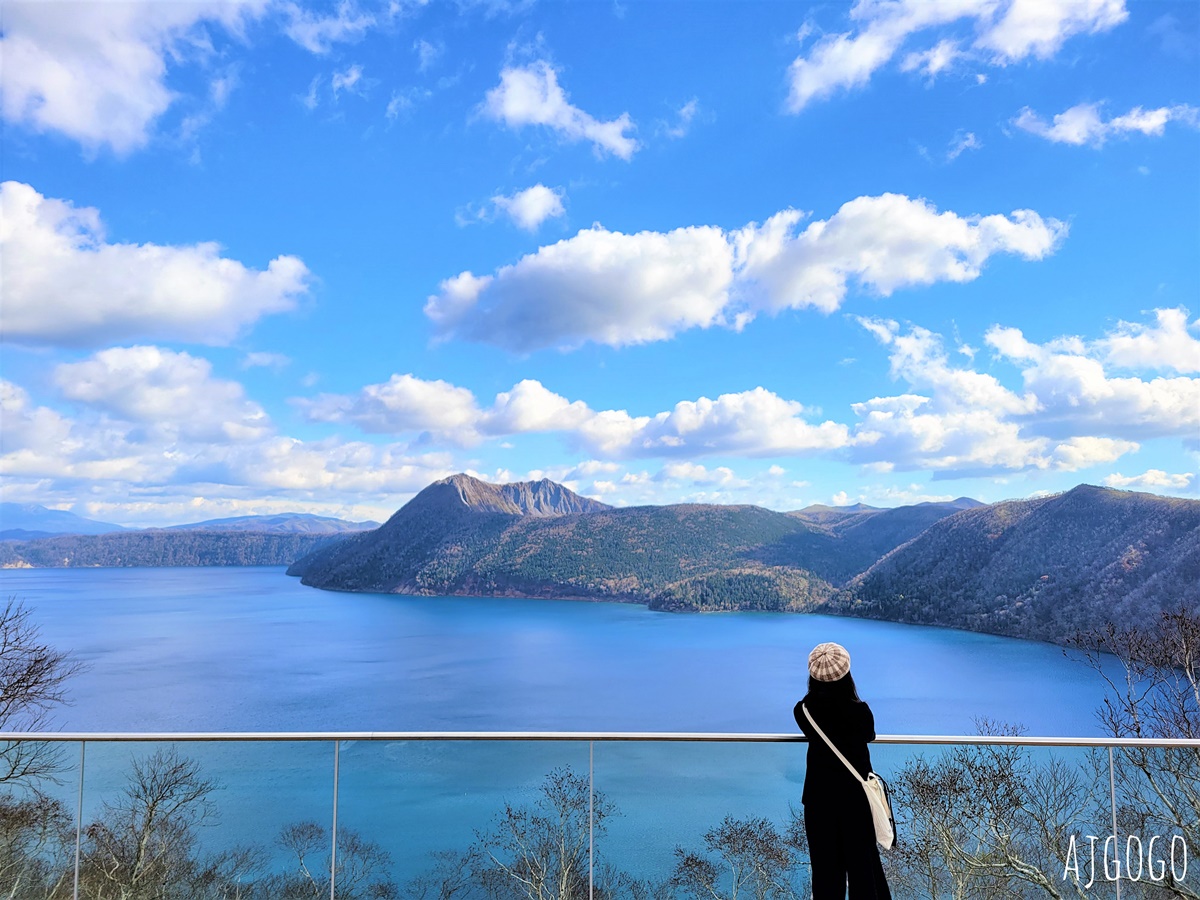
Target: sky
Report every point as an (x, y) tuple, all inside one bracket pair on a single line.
[(262, 256)]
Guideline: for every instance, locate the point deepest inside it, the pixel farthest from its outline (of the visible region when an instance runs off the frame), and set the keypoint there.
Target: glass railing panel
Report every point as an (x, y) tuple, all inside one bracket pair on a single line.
[(1156, 845), (997, 820), (438, 818), (206, 819), (39, 795), (678, 813)]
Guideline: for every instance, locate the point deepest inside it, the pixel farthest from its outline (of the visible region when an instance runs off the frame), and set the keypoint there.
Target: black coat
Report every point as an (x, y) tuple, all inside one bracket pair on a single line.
[(850, 725)]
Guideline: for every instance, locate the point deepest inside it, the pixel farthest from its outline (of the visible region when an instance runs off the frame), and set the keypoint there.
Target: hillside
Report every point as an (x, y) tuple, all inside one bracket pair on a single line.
[(463, 536), (1045, 568), (841, 542), (161, 548)]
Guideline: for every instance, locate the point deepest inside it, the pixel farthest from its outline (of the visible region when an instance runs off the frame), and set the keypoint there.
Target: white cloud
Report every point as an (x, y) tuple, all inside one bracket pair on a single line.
[(961, 142), (96, 72), (427, 53), (600, 286), (1082, 124), (265, 360), (618, 289), (1173, 343), (755, 423), (1039, 28), (933, 61), (347, 80), (1007, 31), (531, 95), (531, 207), (404, 403), (1074, 392), (684, 117), (884, 243), (162, 389), (750, 423), (318, 34), (64, 284), (157, 436), (1151, 479), (1071, 413)]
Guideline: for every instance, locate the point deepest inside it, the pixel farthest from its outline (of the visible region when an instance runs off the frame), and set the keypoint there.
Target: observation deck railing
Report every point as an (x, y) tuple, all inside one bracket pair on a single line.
[(438, 815)]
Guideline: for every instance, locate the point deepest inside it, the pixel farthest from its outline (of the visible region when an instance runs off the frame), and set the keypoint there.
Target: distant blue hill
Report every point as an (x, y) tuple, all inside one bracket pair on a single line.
[(284, 523), (19, 519)]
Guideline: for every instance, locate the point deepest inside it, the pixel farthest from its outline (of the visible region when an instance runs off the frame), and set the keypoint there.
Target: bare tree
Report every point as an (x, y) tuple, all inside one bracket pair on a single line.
[(540, 852), (361, 872), (36, 834), (1155, 694), (32, 679), (752, 858), (144, 846), (990, 821)]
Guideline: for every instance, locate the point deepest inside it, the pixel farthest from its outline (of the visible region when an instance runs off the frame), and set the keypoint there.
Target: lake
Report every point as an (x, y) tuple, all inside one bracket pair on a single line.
[(249, 649)]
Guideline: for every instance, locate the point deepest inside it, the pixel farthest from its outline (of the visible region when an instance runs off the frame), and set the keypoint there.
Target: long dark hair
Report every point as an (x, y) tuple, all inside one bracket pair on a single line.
[(841, 691)]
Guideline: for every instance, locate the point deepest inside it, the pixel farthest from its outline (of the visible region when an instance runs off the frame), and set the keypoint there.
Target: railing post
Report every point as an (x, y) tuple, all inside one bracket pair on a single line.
[(591, 816), (1112, 791), (79, 819), (333, 849)]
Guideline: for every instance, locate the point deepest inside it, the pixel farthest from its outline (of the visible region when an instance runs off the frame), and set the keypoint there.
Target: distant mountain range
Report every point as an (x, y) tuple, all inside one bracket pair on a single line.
[(285, 523), (55, 538), (28, 520), (1044, 568)]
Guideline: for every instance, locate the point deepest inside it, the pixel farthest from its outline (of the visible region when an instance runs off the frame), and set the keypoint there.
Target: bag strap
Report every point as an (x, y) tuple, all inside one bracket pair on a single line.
[(836, 751)]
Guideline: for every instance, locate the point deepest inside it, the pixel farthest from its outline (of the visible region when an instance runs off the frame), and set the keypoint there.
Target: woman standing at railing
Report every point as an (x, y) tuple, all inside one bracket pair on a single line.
[(837, 816)]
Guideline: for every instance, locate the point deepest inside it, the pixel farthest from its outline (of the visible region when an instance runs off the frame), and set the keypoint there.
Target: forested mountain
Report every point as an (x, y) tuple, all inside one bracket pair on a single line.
[(161, 548), (462, 536), (843, 541), (1045, 568)]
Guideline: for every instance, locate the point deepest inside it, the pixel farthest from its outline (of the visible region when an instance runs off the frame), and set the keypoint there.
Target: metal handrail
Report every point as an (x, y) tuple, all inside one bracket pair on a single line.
[(657, 736)]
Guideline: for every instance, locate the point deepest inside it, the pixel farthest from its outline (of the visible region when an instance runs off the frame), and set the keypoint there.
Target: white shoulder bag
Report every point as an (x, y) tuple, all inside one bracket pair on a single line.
[(875, 788)]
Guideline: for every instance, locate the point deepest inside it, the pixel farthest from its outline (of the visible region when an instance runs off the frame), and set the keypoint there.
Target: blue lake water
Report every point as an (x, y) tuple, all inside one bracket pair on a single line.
[(249, 649)]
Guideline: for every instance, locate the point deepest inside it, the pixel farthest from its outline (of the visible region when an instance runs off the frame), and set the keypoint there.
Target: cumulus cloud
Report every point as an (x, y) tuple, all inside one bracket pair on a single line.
[(1083, 124), (1006, 31), (750, 423), (164, 389), (1172, 343), (619, 289), (1152, 479), (96, 72), (531, 207), (600, 286), (404, 403), (64, 284), (186, 440), (1070, 414), (531, 95)]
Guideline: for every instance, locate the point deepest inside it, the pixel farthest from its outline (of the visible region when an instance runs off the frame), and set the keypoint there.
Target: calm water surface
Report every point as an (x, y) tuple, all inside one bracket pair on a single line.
[(250, 649)]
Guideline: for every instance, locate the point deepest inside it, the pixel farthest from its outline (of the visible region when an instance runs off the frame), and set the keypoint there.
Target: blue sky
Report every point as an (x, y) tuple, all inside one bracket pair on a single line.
[(261, 256)]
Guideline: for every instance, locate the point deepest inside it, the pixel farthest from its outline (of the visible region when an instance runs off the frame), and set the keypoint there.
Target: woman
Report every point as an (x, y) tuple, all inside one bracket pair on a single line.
[(837, 817)]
